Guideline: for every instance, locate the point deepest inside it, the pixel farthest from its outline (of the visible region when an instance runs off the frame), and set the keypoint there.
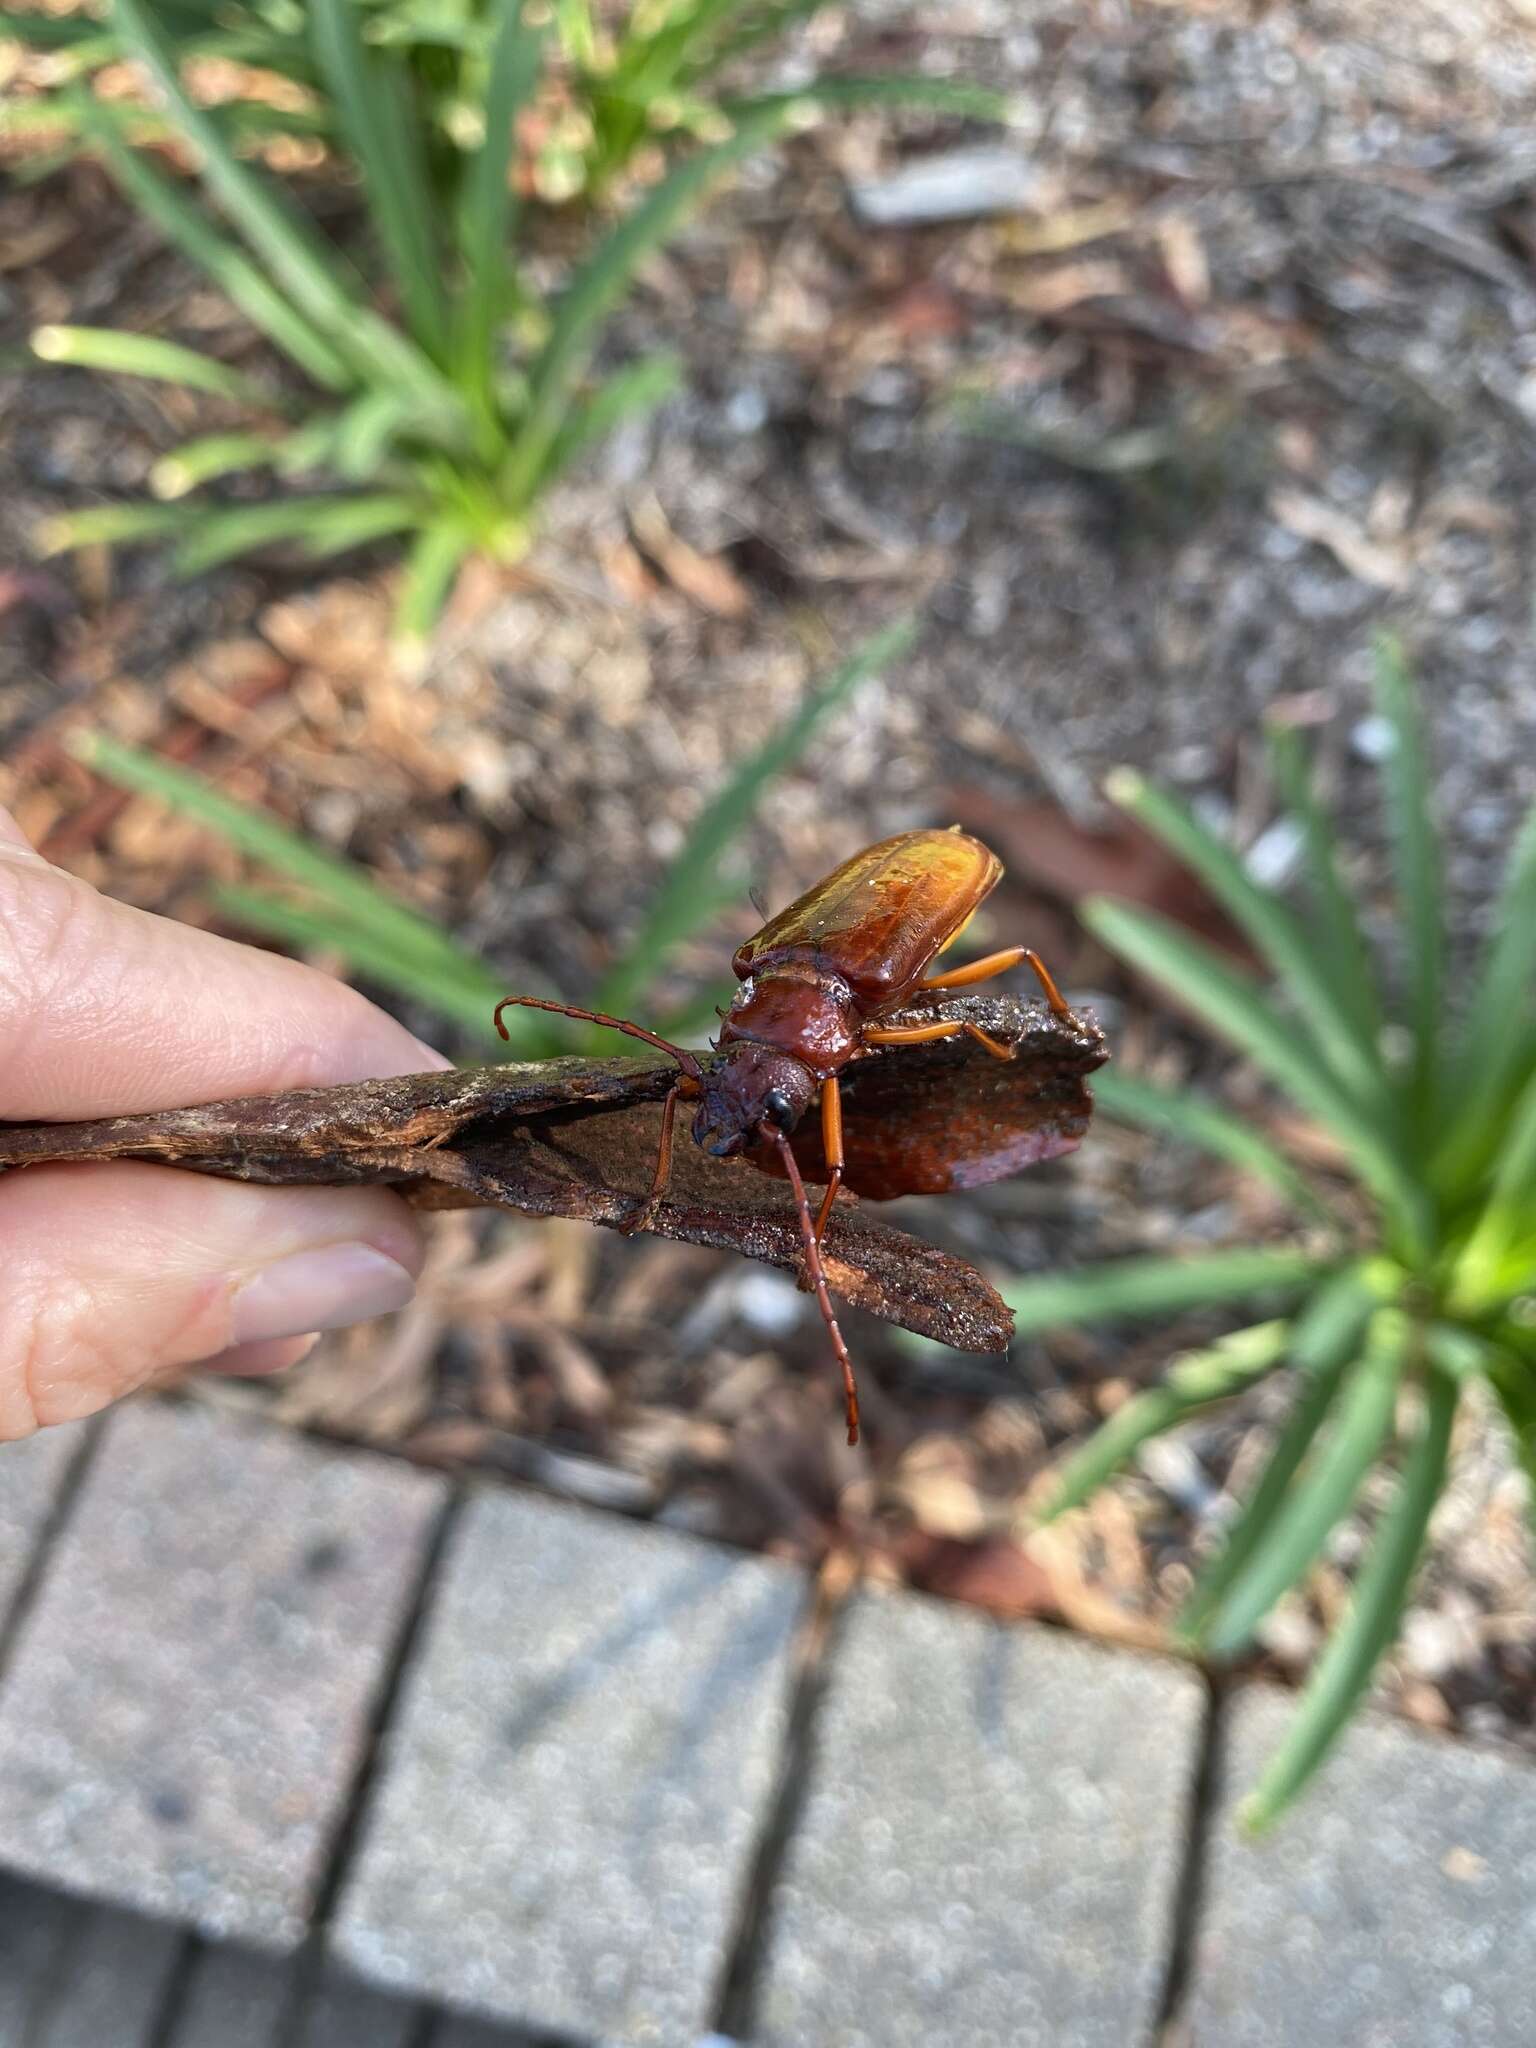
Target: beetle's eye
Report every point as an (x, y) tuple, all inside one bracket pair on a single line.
[(778, 1109)]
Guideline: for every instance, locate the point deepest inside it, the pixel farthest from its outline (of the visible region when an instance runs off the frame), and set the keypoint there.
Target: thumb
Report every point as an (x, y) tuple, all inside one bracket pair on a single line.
[(116, 1273)]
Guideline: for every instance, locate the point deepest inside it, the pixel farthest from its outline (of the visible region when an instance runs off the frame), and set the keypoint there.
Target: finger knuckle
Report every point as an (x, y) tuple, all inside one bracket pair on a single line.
[(42, 1318)]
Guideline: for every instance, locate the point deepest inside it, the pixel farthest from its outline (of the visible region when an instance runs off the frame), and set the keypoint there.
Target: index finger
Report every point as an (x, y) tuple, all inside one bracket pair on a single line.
[(106, 1010)]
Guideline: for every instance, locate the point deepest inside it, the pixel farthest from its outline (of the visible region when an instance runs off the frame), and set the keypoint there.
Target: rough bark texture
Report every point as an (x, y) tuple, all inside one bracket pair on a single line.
[(577, 1137)]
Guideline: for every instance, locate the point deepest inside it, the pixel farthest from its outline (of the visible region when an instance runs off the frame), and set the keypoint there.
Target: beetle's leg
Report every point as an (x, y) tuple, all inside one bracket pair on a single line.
[(995, 1046), (999, 963), (974, 970), (642, 1217), (832, 1146), (912, 1034), (1060, 1007), (925, 1034)]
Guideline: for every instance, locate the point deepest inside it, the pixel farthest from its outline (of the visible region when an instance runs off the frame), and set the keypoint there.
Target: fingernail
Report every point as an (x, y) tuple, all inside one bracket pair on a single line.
[(254, 1361), (319, 1290)]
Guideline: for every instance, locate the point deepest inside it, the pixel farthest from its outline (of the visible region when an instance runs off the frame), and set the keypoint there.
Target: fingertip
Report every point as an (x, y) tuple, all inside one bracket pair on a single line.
[(431, 1060), (110, 1011)]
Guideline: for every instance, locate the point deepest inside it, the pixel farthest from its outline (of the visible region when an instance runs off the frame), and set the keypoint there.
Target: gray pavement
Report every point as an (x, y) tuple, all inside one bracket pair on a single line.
[(188, 1698), (541, 1786), (581, 1768), (984, 1802), (1395, 1908)]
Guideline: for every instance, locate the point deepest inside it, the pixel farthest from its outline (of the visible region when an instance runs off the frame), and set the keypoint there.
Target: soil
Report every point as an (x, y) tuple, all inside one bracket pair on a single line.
[(1250, 376)]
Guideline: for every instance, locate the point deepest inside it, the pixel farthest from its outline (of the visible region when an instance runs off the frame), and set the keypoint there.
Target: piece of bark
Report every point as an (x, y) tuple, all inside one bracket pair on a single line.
[(935, 1119), (577, 1137)]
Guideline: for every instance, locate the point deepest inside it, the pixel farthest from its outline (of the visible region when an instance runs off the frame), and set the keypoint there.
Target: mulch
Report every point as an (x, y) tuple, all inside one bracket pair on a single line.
[(1249, 375)]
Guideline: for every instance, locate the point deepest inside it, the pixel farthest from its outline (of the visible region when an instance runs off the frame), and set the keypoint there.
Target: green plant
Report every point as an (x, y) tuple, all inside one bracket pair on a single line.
[(1406, 1286), (656, 74), (621, 81), (417, 424), (429, 434), (331, 903)]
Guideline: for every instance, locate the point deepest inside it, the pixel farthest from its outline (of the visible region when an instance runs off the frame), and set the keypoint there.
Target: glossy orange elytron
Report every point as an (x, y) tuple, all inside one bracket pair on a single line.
[(816, 983)]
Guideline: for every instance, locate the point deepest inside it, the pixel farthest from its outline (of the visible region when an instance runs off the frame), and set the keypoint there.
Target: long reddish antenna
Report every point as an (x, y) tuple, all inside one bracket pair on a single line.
[(818, 1275), (685, 1059)]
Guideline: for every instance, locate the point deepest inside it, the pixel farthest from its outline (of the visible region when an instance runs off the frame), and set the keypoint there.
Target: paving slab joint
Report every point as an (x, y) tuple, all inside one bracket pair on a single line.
[(68, 1492), (813, 1654), (311, 1960), (1189, 1897), (173, 2004)]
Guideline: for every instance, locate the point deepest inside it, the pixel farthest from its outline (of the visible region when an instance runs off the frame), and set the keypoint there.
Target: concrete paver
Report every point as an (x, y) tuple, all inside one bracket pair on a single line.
[(1393, 1907), (188, 1699), (990, 1844), (234, 1998), (111, 1984), (346, 2015), (35, 1928), (570, 1797), (986, 1850), (452, 2032)]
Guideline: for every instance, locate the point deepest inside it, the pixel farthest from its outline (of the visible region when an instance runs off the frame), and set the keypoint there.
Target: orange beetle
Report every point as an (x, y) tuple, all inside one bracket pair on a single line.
[(816, 982)]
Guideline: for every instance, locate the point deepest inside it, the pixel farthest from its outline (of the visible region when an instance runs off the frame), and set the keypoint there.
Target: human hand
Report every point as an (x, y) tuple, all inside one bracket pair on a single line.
[(114, 1276)]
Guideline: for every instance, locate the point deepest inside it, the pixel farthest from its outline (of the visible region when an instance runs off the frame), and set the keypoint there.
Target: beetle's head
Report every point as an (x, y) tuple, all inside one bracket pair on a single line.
[(752, 1085)]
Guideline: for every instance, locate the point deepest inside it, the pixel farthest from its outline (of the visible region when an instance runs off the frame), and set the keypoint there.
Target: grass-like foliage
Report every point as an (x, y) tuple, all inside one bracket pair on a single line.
[(437, 393), (623, 79), (654, 73), (427, 431), (327, 901), (1398, 1292)]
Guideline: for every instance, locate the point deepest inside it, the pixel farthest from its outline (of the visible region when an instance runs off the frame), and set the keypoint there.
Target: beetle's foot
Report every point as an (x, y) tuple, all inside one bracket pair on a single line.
[(639, 1219)]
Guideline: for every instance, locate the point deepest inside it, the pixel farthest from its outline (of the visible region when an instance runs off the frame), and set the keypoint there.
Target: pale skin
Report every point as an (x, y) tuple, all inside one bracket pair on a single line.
[(121, 1275)]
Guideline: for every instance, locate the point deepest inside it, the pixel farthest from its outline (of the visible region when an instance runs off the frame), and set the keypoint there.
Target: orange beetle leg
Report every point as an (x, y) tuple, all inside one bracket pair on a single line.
[(999, 963), (924, 1034), (995, 1046), (832, 1146), (1053, 995), (975, 970), (912, 1034)]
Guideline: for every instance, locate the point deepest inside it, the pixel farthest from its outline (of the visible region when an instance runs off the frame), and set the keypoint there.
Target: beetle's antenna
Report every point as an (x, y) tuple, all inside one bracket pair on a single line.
[(1047, 980), (818, 1275), (685, 1059)]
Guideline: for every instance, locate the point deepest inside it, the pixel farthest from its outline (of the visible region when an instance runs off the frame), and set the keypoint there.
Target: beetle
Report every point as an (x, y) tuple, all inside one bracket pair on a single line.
[(816, 983)]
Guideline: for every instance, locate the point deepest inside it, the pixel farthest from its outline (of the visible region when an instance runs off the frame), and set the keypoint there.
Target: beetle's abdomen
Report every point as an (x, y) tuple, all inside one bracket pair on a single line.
[(814, 1017)]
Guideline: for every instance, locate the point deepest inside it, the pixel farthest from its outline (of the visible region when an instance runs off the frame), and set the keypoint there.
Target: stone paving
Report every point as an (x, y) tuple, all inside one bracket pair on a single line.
[(303, 1748), (983, 1804), (189, 1695), (586, 1751)]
